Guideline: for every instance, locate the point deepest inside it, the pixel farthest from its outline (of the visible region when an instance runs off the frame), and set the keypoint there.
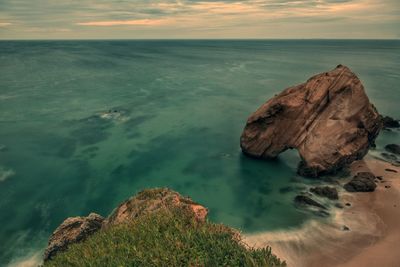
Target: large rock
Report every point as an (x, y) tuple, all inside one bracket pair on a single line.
[(152, 200), (362, 182), (328, 119), (72, 230)]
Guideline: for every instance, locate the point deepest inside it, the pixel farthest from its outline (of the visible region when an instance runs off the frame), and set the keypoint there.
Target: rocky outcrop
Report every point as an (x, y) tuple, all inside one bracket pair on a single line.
[(72, 230), (389, 122), (328, 119), (325, 191), (362, 182), (152, 200), (77, 229), (393, 148)]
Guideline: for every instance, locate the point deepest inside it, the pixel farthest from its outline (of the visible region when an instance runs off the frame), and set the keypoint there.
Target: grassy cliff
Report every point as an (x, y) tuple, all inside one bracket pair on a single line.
[(168, 237)]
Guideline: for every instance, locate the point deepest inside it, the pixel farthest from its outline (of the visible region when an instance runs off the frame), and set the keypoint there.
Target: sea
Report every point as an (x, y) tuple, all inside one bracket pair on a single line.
[(84, 125)]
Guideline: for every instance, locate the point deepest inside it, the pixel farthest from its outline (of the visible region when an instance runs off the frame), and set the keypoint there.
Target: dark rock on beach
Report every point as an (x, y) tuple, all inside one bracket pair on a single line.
[(328, 119), (302, 200), (362, 182), (72, 230), (325, 191), (393, 148)]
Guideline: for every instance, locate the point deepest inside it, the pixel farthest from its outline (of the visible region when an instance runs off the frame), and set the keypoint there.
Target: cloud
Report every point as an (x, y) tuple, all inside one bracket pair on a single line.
[(137, 22), (200, 18), (5, 24)]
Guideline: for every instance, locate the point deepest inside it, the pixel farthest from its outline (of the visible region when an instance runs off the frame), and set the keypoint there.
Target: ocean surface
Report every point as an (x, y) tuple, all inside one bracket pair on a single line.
[(86, 124)]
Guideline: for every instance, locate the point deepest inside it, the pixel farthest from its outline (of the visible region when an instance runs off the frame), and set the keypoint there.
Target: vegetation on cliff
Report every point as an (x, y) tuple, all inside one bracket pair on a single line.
[(171, 236)]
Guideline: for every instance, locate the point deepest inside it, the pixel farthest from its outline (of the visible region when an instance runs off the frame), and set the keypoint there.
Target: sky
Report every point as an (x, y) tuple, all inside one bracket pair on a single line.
[(195, 19)]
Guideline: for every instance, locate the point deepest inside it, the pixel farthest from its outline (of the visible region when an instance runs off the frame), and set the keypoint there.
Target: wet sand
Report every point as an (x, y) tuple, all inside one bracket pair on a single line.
[(373, 219)]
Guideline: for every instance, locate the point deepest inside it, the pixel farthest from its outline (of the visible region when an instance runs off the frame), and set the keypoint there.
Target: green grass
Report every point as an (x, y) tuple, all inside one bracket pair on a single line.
[(165, 238)]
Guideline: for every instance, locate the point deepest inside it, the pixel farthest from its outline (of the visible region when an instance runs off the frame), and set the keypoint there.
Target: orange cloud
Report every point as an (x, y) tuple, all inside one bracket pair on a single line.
[(4, 24), (135, 22)]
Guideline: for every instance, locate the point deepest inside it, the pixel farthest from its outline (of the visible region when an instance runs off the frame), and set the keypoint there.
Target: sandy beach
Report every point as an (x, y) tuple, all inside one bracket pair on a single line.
[(373, 220)]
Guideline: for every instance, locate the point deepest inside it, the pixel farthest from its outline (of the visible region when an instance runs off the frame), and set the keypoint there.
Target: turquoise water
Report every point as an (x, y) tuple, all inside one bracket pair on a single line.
[(180, 109)]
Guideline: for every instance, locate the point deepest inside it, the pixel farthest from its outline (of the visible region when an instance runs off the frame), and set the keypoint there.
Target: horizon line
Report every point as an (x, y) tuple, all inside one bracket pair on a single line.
[(206, 39)]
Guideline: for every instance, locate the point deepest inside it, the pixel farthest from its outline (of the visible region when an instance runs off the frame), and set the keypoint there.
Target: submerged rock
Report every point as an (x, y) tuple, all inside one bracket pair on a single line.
[(302, 200), (393, 148), (325, 191), (72, 230), (328, 119), (389, 122), (77, 229), (361, 182)]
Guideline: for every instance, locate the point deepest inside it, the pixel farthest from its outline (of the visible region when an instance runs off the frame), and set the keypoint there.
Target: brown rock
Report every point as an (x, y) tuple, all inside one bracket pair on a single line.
[(361, 182), (72, 230), (152, 200), (328, 119)]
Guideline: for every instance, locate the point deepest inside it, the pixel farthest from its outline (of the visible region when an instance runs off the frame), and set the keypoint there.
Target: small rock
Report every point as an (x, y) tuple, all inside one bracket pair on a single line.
[(345, 228), (348, 204), (325, 191), (305, 200), (393, 148), (339, 206), (387, 186), (379, 177), (390, 170), (362, 182), (389, 122)]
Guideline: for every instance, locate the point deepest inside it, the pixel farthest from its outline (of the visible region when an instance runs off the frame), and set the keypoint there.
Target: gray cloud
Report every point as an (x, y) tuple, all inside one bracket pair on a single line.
[(183, 18)]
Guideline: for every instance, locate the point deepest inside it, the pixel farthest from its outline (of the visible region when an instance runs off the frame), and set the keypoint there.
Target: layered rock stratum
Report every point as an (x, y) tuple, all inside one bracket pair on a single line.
[(328, 119)]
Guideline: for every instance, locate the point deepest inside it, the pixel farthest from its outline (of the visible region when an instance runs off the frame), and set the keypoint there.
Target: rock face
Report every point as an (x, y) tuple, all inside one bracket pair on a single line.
[(328, 119), (325, 191), (72, 230), (152, 200), (362, 182), (77, 229)]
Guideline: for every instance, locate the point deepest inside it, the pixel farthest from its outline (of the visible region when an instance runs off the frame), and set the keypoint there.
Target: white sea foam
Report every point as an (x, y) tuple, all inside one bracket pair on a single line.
[(296, 246), (5, 173), (33, 259)]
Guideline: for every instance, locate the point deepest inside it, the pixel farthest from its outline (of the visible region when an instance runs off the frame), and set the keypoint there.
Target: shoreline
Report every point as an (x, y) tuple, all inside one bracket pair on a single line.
[(373, 220)]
